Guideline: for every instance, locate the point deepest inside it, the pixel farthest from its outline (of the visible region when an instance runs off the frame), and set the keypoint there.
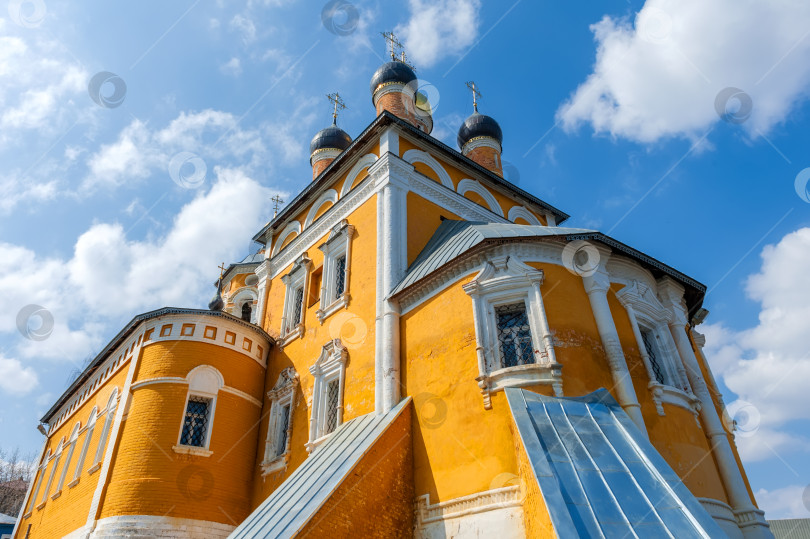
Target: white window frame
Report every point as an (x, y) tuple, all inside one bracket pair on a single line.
[(89, 428), (331, 365), (506, 280), (283, 394), (72, 441), (112, 404), (339, 244), (298, 278), (648, 314), (203, 381), (242, 296)]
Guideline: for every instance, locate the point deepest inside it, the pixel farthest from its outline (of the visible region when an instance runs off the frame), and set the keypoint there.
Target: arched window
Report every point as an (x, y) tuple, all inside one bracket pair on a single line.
[(40, 475), (246, 311), (105, 431), (56, 458), (204, 382), (74, 437), (88, 436)]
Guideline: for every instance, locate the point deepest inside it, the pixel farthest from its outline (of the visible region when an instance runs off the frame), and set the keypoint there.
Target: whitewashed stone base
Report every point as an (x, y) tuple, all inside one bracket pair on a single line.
[(138, 526), (493, 513)]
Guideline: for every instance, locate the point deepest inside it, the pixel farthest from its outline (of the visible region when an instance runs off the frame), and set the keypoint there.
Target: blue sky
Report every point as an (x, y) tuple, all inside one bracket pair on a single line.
[(610, 111)]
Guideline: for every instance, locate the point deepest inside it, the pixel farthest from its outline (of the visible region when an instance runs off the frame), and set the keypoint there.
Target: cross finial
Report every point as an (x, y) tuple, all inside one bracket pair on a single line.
[(221, 270), (404, 60), (393, 43), (276, 200), (476, 94), (335, 99)]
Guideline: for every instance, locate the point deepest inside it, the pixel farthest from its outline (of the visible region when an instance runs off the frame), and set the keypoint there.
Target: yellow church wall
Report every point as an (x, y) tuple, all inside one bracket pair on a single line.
[(69, 511), (459, 447), (424, 217), (355, 326), (536, 518), (148, 477)]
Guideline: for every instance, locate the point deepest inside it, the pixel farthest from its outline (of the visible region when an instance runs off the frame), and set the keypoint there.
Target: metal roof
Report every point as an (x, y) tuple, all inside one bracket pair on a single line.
[(454, 238), (598, 475), (125, 333), (386, 118), (298, 498), (7, 519), (790, 528)]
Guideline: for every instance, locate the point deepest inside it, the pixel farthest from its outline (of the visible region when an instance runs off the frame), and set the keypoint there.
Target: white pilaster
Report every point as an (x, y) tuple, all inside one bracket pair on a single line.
[(263, 273), (597, 286), (750, 519), (389, 142)]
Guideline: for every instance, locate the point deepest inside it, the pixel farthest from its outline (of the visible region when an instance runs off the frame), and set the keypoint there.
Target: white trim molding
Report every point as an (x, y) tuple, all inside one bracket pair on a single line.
[(293, 227), (474, 186), (329, 368), (507, 280), (492, 513), (518, 212), (362, 164), (325, 198), (419, 156), (153, 526), (283, 398), (338, 245)]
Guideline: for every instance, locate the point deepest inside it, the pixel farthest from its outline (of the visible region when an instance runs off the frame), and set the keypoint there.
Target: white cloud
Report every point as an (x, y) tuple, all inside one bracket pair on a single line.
[(232, 67), (16, 379), (783, 502), (110, 278), (245, 27), (439, 28), (768, 365), (660, 77)]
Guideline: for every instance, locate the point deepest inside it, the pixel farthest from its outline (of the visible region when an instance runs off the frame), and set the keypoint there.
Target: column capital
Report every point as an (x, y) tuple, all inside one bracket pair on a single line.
[(671, 294), (390, 170), (598, 281)]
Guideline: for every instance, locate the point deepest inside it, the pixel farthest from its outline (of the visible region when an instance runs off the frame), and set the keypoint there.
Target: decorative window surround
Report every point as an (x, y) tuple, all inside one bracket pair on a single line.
[(283, 397), (112, 403), (505, 280), (522, 212), (330, 366), (56, 458), (646, 313), (297, 279), (74, 437), (204, 381), (338, 245), (88, 436), (472, 186), (246, 294), (40, 474)]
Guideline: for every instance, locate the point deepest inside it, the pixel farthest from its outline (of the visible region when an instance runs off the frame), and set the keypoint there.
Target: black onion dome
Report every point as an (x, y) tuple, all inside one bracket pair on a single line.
[(331, 137), (394, 71), (479, 125), (216, 303)]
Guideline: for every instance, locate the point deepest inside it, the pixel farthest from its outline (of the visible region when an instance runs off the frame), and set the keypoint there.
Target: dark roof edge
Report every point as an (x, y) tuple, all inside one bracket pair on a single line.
[(125, 333), (386, 118)]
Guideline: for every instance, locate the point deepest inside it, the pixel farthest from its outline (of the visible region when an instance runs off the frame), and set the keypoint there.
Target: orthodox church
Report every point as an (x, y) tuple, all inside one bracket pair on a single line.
[(419, 349)]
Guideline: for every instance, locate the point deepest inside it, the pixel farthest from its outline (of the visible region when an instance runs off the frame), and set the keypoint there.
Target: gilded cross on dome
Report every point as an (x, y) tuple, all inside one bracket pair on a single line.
[(393, 43), (276, 200), (338, 103), (476, 94)]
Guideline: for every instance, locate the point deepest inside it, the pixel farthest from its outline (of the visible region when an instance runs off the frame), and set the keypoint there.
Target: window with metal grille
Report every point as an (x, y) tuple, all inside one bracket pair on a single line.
[(332, 396), (195, 423), (649, 345), (340, 276), (246, 312), (283, 426), (514, 335), (298, 308)]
